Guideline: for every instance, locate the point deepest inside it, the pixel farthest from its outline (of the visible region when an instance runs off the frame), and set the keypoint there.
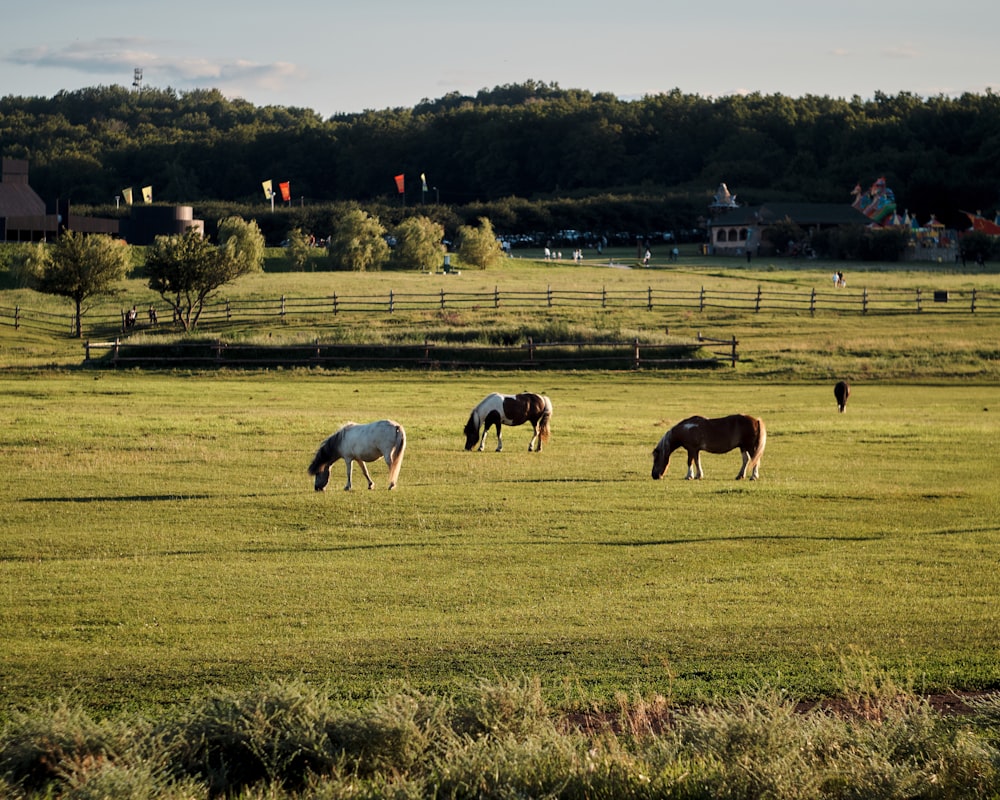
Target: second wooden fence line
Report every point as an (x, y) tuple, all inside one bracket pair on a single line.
[(430, 355)]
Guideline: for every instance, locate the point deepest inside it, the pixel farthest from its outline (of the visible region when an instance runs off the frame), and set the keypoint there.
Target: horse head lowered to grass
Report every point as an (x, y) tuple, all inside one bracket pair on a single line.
[(713, 436), (353, 442), (509, 409)]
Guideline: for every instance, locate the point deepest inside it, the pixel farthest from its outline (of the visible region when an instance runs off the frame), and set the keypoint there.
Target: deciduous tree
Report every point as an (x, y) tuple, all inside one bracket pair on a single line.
[(358, 242), (79, 267), (478, 246), (187, 269), (419, 244)]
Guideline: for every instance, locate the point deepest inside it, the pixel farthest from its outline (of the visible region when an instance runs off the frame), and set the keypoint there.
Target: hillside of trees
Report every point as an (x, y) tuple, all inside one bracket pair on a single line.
[(526, 143)]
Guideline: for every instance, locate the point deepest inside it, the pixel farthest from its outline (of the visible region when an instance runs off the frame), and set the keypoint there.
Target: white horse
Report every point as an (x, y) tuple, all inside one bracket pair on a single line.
[(353, 442)]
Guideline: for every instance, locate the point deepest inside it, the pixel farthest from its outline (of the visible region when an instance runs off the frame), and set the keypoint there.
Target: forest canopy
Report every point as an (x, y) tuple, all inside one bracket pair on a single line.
[(534, 141)]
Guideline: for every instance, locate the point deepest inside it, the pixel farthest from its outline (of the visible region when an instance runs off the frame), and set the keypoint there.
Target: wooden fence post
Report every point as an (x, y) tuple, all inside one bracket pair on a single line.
[(114, 352), (635, 352), (604, 297), (391, 301), (496, 297), (919, 304), (282, 312), (756, 307), (973, 309), (531, 349), (701, 300), (733, 356), (17, 317), (864, 301), (86, 350), (442, 299), (812, 303), (336, 309), (649, 298), (548, 295), (229, 311)]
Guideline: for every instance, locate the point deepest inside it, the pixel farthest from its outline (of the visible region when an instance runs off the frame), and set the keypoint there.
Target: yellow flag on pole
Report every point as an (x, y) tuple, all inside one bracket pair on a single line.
[(127, 194), (147, 194), (268, 190)]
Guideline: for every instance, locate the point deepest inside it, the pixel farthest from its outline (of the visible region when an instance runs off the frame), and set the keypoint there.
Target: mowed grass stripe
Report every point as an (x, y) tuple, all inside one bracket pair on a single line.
[(161, 534)]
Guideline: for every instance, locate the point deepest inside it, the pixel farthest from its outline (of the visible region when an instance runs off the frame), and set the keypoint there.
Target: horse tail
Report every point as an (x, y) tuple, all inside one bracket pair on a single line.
[(396, 455), (544, 428), (758, 451)]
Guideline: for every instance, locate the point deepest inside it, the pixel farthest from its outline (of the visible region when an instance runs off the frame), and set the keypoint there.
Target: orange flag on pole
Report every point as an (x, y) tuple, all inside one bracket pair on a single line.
[(286, 191), (399, 183)]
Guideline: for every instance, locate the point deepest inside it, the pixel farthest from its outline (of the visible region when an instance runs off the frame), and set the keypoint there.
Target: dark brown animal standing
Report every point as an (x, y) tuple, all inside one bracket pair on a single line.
[(842, 391), (713, 436)]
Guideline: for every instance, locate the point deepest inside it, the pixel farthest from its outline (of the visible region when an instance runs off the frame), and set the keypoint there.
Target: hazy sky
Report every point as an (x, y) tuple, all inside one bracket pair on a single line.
[(336, 56)]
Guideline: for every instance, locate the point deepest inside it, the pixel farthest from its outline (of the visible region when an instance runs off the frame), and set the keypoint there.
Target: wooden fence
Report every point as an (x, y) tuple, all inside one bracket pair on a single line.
[(704, 352), (217, 316)]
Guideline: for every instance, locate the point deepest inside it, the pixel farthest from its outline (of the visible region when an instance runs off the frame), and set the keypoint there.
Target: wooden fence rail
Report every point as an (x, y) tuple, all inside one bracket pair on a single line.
[(429, 355), (218, 315)]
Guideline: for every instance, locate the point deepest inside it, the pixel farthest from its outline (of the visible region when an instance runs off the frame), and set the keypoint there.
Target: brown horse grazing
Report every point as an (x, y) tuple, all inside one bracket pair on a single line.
[(713, 436), (842, 391), (509, 409)]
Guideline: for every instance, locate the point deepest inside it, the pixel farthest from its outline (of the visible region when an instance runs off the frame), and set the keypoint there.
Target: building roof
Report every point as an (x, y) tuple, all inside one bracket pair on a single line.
[(17, 198)]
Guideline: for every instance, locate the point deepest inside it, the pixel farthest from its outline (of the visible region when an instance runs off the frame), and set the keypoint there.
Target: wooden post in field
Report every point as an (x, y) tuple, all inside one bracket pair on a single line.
[(531, 349), (442, 299), (973, 309), (17, 317), (733, 357), (336, 310), (812, 303), (391, 301), (114, 352), (701, 300), (919, 304), (86, 350), (649, 298), (548, 295), (604, 297), (635, 352), (282, 312), (496, 297), (864, 301), (756, 307)]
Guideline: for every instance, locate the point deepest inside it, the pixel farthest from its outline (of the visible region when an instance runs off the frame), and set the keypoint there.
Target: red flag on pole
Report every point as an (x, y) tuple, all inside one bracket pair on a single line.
[(399, 183), (286, 191)]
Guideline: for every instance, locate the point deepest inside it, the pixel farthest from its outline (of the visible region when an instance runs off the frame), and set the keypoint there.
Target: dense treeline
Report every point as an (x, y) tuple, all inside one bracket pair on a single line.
[(533, 141)]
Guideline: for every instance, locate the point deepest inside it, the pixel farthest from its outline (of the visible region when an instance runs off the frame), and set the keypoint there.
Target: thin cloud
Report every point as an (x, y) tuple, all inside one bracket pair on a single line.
[(119, 56), (902, 51)]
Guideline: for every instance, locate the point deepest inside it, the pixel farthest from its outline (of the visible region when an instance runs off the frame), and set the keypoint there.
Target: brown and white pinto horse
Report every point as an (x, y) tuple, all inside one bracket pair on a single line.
[(713, 436), (509, 409), (842, 391)]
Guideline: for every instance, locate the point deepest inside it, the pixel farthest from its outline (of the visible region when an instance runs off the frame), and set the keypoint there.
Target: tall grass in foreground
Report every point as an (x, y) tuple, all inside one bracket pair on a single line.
[(500, 740)]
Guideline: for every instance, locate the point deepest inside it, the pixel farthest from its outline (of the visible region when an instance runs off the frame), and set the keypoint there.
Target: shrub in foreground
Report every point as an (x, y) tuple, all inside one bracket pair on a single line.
[(290, 740)]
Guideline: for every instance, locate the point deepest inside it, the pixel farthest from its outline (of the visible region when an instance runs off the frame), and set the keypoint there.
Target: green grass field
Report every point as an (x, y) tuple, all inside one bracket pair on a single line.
[(161, 536)]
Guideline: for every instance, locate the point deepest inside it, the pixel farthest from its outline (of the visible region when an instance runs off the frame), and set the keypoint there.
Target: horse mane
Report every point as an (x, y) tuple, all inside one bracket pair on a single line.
[(472, 426), (329, 450)]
